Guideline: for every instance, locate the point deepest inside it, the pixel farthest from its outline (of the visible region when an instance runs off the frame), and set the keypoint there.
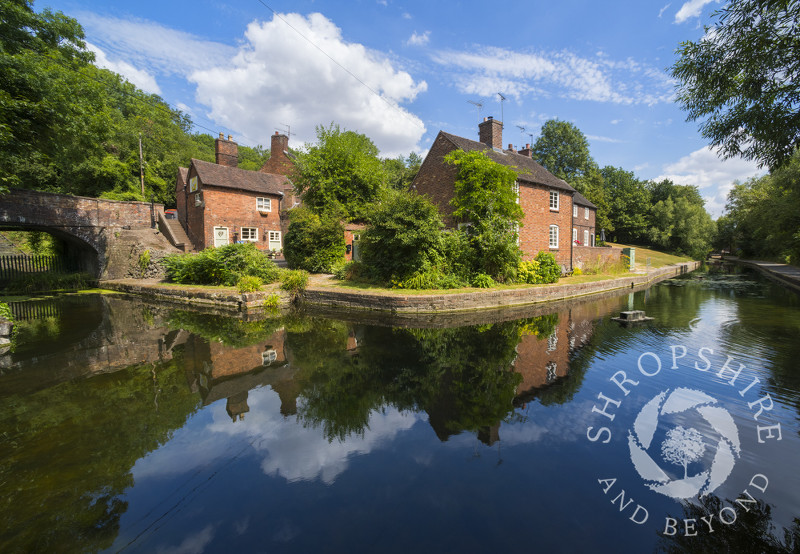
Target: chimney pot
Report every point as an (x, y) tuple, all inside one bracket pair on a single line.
[(229, 137), (222, 136)]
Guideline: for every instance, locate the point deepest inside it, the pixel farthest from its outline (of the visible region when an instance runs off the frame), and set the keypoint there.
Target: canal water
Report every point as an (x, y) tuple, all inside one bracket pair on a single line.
[(129, 427)]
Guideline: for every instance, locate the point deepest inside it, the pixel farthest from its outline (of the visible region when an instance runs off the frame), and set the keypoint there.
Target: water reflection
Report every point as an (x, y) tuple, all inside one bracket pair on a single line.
[(111, 404)]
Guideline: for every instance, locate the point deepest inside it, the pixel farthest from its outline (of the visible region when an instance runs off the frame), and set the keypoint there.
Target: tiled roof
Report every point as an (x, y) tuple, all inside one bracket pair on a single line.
[(527, 169), (216, 175), (581, 200)]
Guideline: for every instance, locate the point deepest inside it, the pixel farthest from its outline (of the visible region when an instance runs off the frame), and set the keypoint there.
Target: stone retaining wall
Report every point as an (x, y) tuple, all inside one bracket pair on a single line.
[(428, 303), (338, 298)]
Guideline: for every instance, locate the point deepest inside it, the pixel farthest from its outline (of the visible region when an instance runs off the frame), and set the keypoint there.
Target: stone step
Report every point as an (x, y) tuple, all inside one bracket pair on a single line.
[(180, 234)]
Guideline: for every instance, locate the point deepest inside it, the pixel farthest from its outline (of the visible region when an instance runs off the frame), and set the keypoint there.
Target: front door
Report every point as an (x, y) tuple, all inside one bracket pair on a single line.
[(220, 236)]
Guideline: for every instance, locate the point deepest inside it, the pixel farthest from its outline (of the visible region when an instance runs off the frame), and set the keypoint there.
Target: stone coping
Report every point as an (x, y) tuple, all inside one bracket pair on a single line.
[(785, 274), (319, 296)]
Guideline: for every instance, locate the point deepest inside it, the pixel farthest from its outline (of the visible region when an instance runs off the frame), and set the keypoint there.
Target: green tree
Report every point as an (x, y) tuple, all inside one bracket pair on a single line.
[(629, 203), (741, 80), (400, 171), (314, 242), (764, 218), (404, 236), (678, 219), (340, 174), (563, 150), (485, 199), (592, 185)]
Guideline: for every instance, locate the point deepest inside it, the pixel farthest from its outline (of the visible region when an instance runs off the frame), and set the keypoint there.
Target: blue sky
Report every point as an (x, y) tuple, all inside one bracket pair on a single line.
[(400, 71)]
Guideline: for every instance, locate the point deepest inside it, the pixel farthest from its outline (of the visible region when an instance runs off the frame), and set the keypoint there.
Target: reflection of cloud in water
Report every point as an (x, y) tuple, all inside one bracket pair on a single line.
[(292, 451), (302, 453), (564, 425), (193, 544)]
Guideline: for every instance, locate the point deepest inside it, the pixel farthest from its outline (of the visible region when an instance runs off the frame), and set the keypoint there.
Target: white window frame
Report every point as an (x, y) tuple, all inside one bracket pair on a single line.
[(553, 235), (274, 236), (574, 234), (252, 234), (516, 190), (263, 204), (574, 210), (586, 213), (198, 199), (554, 200), (586, 237), (268, 356)]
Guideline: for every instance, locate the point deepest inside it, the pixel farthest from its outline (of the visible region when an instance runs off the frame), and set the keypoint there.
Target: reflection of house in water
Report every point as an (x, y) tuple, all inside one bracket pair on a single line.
[(218, 371)]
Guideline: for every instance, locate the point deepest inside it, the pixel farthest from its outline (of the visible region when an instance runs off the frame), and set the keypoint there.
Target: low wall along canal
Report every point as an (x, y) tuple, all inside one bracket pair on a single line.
[(142, 426)]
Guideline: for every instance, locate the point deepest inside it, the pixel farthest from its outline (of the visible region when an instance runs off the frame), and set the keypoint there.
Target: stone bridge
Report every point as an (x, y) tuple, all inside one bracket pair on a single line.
[(89, 228)]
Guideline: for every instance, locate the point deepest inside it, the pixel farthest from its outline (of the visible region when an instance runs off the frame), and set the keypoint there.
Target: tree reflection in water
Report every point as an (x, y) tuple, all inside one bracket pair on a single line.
[(753, 531)]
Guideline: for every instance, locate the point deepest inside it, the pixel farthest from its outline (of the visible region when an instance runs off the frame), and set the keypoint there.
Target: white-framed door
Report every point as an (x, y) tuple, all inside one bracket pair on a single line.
[(275, 240), (220, 236)]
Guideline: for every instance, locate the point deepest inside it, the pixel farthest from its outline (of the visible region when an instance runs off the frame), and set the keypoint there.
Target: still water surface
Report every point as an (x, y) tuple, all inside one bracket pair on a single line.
[(140, 428)]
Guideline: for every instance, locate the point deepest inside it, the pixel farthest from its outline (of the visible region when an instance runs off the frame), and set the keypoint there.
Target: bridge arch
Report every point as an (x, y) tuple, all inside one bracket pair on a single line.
[(88, 227)]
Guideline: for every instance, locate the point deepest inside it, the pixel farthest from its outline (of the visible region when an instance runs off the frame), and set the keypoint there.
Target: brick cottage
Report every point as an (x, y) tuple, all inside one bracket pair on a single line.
[(219, 203), (551, 207)]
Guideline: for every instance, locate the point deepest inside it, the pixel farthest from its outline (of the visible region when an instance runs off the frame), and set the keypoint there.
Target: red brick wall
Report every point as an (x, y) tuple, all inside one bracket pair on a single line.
[(235, 209), (582, 224), (435, 179), (535, 231), (588, 255), (228, 361), (226, 152)]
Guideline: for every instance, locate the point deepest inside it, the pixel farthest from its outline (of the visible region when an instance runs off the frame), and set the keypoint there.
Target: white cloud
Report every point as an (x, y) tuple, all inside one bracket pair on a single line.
[(662, 10), (419, 39), (162, 50), (278, 77), (692, 8), (138, 77), (711, 174), (487, 70), (604, 139), (193, 544)]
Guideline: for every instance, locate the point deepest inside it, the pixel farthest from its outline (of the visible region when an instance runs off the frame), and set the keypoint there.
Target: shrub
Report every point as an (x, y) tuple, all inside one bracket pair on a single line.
[(404, 237), (249, 283), (272, 302), (528, 272), (314, 242), (549, 270), (221, 266), (577, 271), (482, 281), (5, 312), (144, 262), (294, 281)]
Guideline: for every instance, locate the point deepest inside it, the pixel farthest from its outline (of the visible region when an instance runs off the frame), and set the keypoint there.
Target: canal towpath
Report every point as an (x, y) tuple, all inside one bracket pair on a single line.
[(786, 274)]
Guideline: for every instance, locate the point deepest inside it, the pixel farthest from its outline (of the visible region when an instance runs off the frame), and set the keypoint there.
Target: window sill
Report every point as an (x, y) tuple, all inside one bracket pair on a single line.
[(553, 209)]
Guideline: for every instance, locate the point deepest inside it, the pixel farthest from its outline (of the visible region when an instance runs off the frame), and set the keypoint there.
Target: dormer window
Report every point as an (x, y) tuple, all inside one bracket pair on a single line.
[(264, 204), (553, 200)]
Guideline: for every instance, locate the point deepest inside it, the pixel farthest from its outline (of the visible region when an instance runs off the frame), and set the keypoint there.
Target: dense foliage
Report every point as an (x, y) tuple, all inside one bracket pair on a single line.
[(762, 217), (340, 174), (742, 80), (221, 266), (485, 199), (404, 237), (314, 242), (68, 126)]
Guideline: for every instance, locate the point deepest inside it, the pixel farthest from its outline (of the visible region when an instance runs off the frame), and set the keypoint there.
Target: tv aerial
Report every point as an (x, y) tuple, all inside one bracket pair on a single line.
[(477, 105), (502, 101)]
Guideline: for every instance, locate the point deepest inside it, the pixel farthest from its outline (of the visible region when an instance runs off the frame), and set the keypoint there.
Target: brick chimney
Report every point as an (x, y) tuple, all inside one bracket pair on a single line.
[(226, 151), (280, 144), (526, 151), (490, 132)]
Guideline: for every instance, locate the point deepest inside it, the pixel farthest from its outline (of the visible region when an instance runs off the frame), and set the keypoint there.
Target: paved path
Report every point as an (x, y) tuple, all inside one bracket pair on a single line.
[(784, 273)]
